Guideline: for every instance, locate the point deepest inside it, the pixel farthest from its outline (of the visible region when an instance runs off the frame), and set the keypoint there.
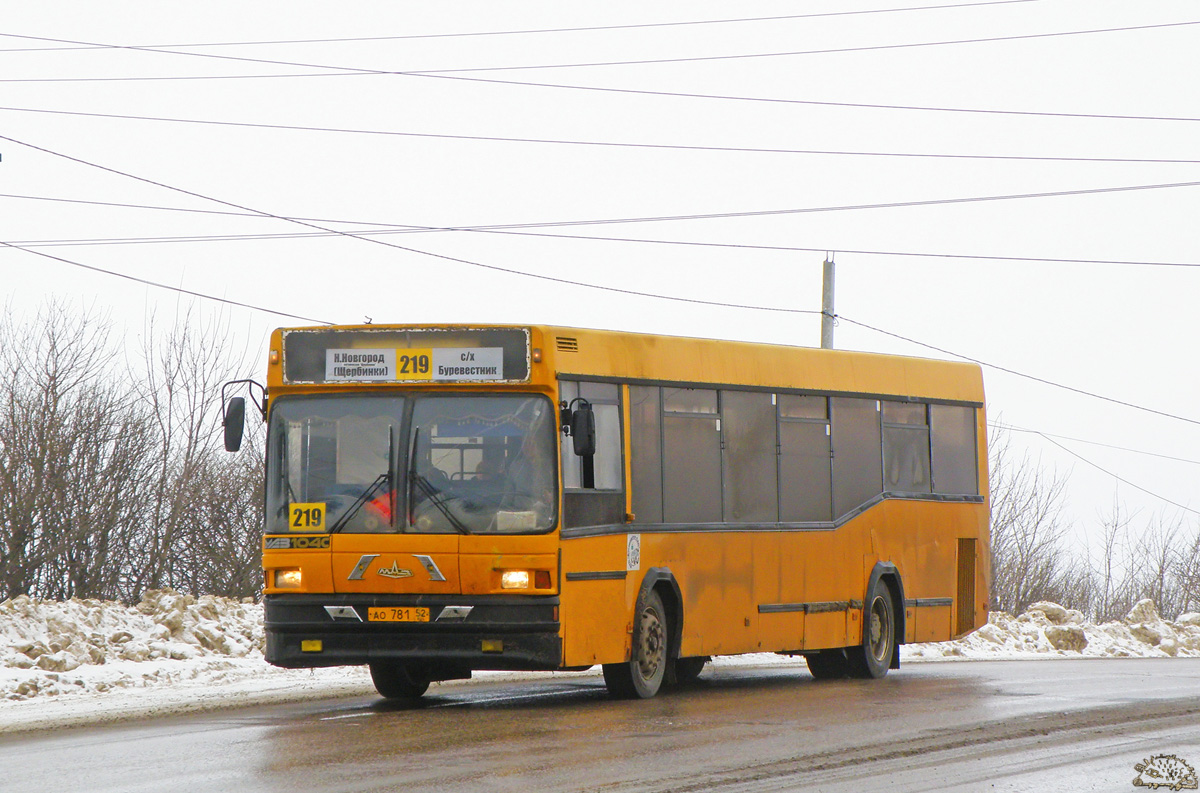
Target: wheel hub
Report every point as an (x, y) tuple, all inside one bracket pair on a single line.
[(651, 647)]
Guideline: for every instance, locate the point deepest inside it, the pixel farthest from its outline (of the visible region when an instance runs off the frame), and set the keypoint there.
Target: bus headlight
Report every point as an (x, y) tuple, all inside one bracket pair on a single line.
[(288, 579), (514, 579)]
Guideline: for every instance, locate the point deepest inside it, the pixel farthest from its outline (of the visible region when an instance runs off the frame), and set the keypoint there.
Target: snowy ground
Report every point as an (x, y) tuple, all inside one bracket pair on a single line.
[(87, 661)]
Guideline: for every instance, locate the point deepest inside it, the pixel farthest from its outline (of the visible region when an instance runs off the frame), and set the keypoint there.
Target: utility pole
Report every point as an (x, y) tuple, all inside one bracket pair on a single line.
[(827, 314)]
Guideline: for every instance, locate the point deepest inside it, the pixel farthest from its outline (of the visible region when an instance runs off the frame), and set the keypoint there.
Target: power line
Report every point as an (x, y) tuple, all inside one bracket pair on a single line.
[(417, 251), (1115, 476), (602, 143), (1042, 380), (581, 284), (493, 230), (839, 249), (158, 285), (761, 212), (509, 271), (805, 102), (639, 62), (1012, 428), (827, 51), (878, 205), (520, 230), (630, 91), (642, 25)]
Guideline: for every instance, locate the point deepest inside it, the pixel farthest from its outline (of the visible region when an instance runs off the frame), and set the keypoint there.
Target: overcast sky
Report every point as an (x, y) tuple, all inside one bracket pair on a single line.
[(738, 143)]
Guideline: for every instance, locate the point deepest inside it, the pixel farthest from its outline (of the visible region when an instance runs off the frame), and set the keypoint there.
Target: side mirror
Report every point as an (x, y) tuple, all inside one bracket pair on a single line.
[(583, 430), (235, 423)]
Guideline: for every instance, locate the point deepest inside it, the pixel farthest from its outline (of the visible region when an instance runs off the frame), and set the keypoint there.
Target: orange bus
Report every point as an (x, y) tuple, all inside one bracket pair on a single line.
[(447, 499)]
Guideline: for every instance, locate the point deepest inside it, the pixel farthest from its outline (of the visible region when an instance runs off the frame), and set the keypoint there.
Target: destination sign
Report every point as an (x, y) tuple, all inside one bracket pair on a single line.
[(452, 364), (406, 355)]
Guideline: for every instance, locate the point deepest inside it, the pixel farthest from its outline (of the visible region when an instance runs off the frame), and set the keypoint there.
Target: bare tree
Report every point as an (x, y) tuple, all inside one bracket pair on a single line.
[(67, 435), (1158, 561), (1188, 573), (181, 385), (111, 484), (1028, 532)]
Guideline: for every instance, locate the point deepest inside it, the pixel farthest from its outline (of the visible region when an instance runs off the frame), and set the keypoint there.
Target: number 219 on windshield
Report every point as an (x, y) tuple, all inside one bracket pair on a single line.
[(306, 516)]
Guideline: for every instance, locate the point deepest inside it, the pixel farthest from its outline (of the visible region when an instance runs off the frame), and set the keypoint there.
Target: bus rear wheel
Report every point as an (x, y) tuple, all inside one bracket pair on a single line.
[(828, 664), (874, 657), (642, 675), (398, 681)]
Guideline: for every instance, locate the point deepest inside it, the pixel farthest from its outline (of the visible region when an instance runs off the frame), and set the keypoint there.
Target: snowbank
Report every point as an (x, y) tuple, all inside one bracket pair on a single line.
[(1049, 630), (88, 660), (52, 648), (84, 661)]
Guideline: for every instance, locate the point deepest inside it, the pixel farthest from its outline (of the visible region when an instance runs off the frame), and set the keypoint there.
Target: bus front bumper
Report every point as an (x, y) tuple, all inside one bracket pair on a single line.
[(462, 633)]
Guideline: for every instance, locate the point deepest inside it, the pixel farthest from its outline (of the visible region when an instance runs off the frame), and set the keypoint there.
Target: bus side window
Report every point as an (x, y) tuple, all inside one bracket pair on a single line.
[(906, 447), (604, 502), (691, 429), (857, 453), (645, 453), (955, 463)]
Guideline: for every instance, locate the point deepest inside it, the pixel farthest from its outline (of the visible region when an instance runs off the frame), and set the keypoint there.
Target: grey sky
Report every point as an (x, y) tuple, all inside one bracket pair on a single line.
[(709, 145)]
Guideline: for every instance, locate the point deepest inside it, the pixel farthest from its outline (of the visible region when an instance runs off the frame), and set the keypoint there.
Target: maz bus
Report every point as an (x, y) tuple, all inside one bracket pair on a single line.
[(441, 500)]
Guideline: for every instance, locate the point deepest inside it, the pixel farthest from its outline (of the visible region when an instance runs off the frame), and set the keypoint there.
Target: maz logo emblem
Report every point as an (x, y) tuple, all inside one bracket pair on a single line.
[(395, 571)]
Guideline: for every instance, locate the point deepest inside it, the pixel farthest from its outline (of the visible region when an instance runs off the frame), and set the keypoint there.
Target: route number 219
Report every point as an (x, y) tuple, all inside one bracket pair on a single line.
[(306, 516)]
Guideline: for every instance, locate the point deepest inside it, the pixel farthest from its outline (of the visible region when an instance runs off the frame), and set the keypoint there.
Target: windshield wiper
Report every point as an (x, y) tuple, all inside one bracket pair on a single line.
[(430, 492), (383, 479)]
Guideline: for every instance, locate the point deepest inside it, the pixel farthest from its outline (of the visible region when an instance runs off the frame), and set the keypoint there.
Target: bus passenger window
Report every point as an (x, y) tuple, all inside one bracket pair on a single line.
[(645, 453), (600, 501), (691, 456), (906, 448), (857, 464), (805, 466), (750, 478), (607, 469), (955, 463)]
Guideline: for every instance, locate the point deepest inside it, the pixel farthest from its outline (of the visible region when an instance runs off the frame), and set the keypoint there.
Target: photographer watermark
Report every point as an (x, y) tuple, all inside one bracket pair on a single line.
[(1165, 772)]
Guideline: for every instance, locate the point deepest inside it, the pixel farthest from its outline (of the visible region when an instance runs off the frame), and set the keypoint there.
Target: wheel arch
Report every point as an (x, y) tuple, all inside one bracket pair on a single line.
[(662, 581)]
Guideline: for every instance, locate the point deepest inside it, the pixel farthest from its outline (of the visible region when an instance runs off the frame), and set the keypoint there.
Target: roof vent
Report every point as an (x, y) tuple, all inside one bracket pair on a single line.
[(566, 344)]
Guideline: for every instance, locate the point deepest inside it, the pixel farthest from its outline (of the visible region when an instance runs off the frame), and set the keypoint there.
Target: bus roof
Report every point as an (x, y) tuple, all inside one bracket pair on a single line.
[(618, 355), (636, 356)]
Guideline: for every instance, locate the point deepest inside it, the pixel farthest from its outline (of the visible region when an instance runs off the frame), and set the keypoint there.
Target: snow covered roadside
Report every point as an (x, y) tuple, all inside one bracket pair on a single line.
[(88, 661), (1047, 630)]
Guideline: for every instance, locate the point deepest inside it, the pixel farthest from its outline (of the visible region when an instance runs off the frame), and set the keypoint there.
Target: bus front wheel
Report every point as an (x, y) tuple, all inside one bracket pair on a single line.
[(642, 675), (398, 681)]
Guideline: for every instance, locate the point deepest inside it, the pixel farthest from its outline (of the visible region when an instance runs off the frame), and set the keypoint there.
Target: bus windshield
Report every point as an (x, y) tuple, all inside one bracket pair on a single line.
[(425, 463)]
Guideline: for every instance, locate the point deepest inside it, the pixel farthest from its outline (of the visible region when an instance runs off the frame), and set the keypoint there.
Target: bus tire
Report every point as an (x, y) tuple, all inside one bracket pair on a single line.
[(642, 675), (398, 681), (687, 670), (828, 664), (874, 657)]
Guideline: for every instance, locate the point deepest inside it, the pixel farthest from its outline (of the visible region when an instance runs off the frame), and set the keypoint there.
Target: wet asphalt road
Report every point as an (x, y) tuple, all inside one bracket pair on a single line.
[(1005, 725)]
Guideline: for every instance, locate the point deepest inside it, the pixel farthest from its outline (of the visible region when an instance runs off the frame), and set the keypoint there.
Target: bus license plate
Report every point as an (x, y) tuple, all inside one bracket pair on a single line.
[(400, 614)]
